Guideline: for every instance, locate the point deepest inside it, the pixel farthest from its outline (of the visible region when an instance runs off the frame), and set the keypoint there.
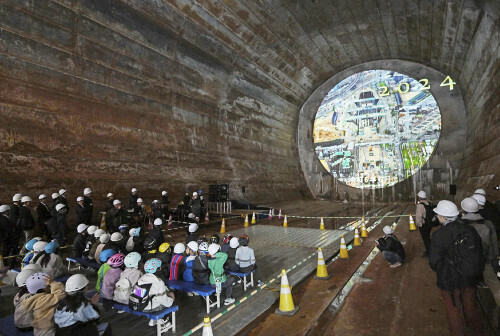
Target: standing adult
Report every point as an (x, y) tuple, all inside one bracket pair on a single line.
[(7, 231), (62, 198), (457, 278), (14, 217), (26, 220), (87, 205), (43, 217), (420, 220), (195, 205), (132, 200), (81, 216)]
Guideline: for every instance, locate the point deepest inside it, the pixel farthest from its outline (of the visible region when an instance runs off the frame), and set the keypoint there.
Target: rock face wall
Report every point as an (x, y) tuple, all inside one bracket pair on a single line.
[(175, 94)]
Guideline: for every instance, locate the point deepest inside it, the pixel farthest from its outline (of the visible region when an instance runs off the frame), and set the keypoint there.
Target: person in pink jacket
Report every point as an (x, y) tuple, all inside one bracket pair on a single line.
[(111, 278)]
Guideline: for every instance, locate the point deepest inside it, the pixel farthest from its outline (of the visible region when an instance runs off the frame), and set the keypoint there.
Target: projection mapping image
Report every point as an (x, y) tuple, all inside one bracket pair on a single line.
[(376, 128)]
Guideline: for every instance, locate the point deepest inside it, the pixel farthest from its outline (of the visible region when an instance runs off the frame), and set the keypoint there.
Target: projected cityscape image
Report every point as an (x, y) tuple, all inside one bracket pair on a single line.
[(376, 128)]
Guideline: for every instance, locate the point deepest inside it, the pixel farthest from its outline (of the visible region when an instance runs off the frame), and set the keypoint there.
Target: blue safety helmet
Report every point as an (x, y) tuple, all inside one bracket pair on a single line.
[(152, 265), (51, 247), (29, 245), (106, 254)]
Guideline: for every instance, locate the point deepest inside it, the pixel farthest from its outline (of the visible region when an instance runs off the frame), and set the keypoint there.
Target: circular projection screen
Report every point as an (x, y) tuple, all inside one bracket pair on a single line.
[(376, 128)]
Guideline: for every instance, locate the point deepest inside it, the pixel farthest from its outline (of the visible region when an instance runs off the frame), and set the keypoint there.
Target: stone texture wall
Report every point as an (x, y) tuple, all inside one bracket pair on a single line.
[(169, 94)]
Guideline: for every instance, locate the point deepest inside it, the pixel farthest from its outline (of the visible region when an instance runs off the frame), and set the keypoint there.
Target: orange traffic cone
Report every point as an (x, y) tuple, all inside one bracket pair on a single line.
[(322, 224), (412, 224), (170, 223), (343, 249), (286, 301), (357, 240), (207, 327), (223, 226), (285, 222), (246, 221), (364, 233), (321, 272), (270, 217), (253, 218)]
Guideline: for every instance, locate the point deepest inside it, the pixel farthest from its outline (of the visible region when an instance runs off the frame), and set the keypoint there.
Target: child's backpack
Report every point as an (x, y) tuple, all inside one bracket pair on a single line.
[(122, 291), (467, 251), (140, 298)]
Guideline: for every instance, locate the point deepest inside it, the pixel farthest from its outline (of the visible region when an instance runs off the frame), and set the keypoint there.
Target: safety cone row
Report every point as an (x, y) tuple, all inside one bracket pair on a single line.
[(246, 221), (279, 214), (285, 222), (321, 272), (322, 224), (286, 301), (412, 224), (253, 218), (207, 327), (357, 240), (364, 233), (223, 226), (343, 248), (270, 217)]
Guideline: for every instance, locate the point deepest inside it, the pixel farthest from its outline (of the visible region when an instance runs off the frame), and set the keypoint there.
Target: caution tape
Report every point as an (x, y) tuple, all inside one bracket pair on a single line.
[(336, 217)]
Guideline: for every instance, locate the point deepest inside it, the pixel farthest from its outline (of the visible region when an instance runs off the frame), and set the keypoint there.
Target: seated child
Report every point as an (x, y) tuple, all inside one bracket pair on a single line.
[(178, 263), (76, 315), (225, 242), (29, 251), (231, 264), (50, 262), (192, 248), (150, 250), (192, 235), (128, 278), (97, 234), (103, 241), (111, 278), (153, 290), (129, 246), (46, 295), (245, 258), (38, 249), (23, 319), (165, 256), (218, 278), (201, 272), (104, 255)]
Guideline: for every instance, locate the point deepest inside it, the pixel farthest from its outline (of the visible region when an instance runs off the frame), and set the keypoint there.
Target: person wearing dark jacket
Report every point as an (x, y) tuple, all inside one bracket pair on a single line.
[(201, 272), (26, 220), (14, 217), (7, 231), (62, 199), (164, 204), (52, 206), (132, 199), (61, 224), (43, 216), (156, 233), (458, 291), (81, 216), (80, 241), (139, 213), (195, 205), (88, 206), (119, 216), (391, 248), (192, 235)]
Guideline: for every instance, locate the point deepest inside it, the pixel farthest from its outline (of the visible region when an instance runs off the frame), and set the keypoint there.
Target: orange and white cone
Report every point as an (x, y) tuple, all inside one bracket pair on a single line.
[(322, 224), (207, 218), (357, 240), (286, 301), (412, 224), (223, 226), (279, 214), (321, 272), (246, 221), (343, 249), (285, 222), (253, 218), (364, 233), (170, 223), (270, 217), (207, 327)]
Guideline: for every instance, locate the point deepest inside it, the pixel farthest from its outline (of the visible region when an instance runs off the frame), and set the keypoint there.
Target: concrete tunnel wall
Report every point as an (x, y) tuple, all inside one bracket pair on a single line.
[(173, 94)]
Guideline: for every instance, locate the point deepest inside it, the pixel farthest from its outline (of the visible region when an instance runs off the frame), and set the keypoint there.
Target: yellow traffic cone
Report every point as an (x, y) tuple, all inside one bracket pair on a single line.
[(253, 218), (223, 226), (285, 222), (357, 240), (246, 221), (412, 224), (286, 301), (322, 224), (207, 327), (343, 249), (364, 233), (321, 272)]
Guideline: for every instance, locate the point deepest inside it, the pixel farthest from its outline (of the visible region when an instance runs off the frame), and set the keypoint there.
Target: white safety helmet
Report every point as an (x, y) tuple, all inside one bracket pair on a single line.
[(17, 197), (163, 193), (131, 232), (55, 195), (480, 192), (62, 191), (387, 230), (234, 243), (75, 283), (446, 208), (4, 208), (179, 248), (116, 237), (469, 204), (139, 200), (79, 199), (98, 233), (193, 228), (59, 206), (195, 194), (27, 271), (193, 246), (134, 190), (39, 246), (104, 238), (87, 191), (191, 215), (81, 227), (481, 200), (155, 201), (116, 201), (42, 196), (158, 221), (422, 194), (109, 195), (213, 249), (92, 229), (25, 199)]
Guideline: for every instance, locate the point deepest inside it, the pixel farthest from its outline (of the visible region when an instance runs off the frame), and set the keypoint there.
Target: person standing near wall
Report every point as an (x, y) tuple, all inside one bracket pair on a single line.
[(26, 220), (420, 221)]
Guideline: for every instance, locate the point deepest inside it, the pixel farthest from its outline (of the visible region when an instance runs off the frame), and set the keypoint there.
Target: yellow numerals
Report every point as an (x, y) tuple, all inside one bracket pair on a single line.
[(425, 84), (448, 82), (384, 91)]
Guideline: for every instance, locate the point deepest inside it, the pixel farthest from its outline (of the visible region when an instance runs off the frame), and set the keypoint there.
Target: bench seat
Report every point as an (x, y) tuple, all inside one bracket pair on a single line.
[(192, 287), (162, 325), (244, 277), (7, 327)]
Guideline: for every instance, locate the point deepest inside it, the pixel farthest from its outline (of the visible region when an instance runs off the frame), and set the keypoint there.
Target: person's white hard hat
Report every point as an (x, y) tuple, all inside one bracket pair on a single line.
[(191, 215), (131, 232), (481, 200), (446, 208), (179, 248), (42, 196), (17, 197), (155, 201), (81, 227), (480, 192), (27, 271), (98, 233), (387, 230), (469, 204), (104, 238), (59, 206), (422, 194), (87, 191), (213, 249), (92, 229), (39, 246), (76, 282), (192, 228), (62, 191), (117, 236), (4, 208), (25, 199), (139, 200), (158, 221), (109, 195), (116, 201), (195, 194), (163, 192), (234, 243), (55, 195), (134, 190), (193, 246)]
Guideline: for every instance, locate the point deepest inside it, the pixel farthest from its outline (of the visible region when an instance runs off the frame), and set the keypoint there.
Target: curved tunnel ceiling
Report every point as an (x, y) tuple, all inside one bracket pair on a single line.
[(177, 94)]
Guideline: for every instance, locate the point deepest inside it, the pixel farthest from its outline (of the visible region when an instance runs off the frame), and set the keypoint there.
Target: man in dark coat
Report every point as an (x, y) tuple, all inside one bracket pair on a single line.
[(7, 231), (81, 215), (62, 199), (195, 205), (119, 216), (132, 200), (14, 217), (88, 205), (26, 220), (43, 216)]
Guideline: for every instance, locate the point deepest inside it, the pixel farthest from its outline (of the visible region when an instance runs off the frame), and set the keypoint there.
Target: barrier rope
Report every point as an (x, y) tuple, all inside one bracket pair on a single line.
[(333, 217)]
